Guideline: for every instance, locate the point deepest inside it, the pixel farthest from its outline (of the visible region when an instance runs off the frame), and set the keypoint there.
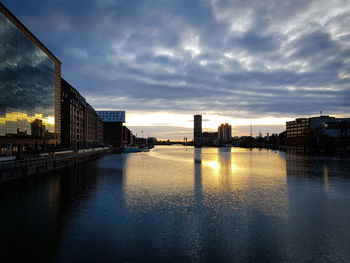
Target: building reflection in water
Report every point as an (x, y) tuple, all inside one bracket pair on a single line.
[(316, 186), (176, 205), (218, 166), (243, 193), (30, 218), (37, 211), (198, 175), (302, 165), (92, 197)]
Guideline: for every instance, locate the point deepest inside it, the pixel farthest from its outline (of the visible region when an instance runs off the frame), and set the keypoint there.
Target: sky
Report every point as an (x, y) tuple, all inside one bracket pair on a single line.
[(253, 62)]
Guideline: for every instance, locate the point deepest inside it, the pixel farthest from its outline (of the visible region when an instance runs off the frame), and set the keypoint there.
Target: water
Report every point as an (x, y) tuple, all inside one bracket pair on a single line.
[(177, 204)]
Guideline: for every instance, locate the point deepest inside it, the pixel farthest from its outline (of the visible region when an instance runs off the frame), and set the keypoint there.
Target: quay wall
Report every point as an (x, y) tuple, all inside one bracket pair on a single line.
[(23, 168)]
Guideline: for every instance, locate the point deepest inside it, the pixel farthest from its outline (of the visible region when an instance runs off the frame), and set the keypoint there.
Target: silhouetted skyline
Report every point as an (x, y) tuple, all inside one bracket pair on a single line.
[(239, 60)]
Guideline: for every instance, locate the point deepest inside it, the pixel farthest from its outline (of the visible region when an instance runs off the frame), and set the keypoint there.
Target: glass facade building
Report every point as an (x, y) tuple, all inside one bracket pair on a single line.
[(29, 84)]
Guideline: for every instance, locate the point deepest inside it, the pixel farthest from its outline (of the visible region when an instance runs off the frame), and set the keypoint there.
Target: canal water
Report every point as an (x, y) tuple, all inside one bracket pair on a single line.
[(180, 204)]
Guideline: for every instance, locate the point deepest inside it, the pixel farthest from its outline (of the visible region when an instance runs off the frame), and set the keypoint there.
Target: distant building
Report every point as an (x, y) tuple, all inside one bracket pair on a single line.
[(299, 130), (132, 140), (30, 77), (37, 128), (126, 136), (152, 140), (282, 138), (112, 116), (80, 124), (224, 133), (197, 129), (304, 131), (340, 128), (209, 137), (113, 132)]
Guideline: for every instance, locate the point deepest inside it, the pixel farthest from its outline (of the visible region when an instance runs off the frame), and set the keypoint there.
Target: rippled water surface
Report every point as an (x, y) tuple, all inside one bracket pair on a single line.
[(177, 204)]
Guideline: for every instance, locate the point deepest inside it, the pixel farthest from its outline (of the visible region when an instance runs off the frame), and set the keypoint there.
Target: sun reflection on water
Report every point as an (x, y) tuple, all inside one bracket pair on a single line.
[(181, 177)]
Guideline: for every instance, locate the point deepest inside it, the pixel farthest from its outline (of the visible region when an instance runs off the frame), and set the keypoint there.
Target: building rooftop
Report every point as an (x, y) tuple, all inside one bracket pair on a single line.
[(112, 116)]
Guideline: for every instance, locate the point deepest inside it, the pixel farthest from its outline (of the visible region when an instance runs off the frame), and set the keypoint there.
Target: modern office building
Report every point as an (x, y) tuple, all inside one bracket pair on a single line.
[(113, 127), (81, 126), (197, 129), (301, 131), (224, 133), (30, 82), (340, 128)]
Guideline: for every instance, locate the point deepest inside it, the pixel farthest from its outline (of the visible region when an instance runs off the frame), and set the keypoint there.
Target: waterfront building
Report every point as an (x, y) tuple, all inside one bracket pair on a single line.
[(112, 116), (81, 126), (339, 128), (197, 129), (132, 139), (126, 136), (282, 138), (302, 131), (112, 127), (30, 82), (152, 140), (224, 133), (209, 138)]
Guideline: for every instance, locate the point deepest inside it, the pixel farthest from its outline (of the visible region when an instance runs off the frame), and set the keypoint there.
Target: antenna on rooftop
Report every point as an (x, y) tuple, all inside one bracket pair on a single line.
[(251, 133), (321, 112)]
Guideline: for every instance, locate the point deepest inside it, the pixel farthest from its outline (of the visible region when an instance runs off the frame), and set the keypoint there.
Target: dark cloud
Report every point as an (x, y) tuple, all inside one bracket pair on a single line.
[(251, 58), (254, 42), (317, 45)]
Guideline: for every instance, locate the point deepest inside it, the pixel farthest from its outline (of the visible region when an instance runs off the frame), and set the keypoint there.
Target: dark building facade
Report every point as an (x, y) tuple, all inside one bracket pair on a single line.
[(224, 133), (30, 77), (300, 130), (322, 131), (113, 131), (209, 138), (126, 136), (340, 128), (197, 129), (80, 124)]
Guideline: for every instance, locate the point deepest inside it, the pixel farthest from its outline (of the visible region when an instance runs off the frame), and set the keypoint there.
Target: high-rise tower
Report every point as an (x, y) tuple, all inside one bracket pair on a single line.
[(197, 129), (224, 133)]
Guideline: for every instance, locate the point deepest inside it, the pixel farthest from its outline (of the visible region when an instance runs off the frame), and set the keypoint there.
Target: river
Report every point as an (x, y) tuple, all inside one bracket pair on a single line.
[(181, 204)]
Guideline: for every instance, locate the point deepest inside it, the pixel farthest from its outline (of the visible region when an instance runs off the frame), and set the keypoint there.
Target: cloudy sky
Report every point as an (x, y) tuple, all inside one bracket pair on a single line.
[(242, 62)]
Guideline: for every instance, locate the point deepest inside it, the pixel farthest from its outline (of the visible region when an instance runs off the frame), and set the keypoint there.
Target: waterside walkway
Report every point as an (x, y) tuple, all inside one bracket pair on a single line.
[(11, 170)]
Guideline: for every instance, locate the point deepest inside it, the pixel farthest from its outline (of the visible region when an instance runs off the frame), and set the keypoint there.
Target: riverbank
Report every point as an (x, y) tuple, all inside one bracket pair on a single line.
[(16, 169)]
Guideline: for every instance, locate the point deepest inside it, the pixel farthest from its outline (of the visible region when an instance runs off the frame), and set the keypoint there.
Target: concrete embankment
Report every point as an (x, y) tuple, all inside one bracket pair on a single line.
[(23, 168)]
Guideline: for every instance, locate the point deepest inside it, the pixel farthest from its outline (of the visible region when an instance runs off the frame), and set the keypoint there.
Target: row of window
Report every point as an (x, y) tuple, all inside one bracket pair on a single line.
[(26, 84)]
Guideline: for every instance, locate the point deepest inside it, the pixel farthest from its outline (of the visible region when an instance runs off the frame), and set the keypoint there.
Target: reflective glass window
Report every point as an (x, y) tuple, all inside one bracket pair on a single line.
[(26, 85)]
